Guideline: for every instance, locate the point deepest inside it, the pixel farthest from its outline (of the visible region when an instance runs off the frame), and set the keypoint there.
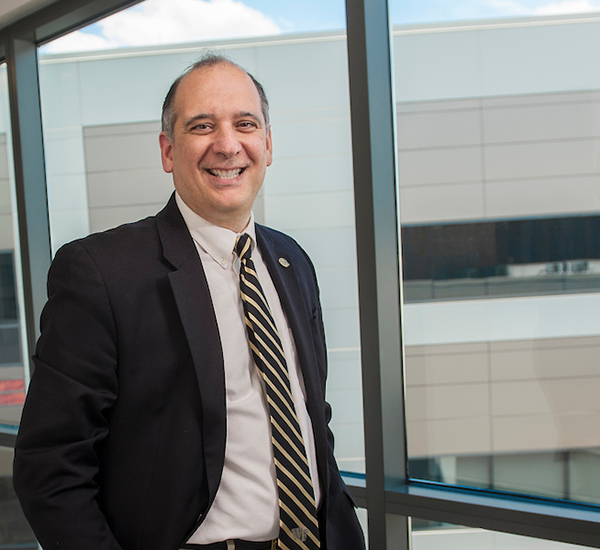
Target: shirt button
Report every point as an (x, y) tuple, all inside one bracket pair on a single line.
[(223, 262)]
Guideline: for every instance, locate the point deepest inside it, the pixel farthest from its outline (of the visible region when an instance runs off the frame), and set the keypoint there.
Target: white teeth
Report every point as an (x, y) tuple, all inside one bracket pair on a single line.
[(226, 174)]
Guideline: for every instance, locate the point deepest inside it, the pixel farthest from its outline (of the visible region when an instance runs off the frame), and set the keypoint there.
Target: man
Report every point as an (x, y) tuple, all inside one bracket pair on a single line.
[(178, 393)]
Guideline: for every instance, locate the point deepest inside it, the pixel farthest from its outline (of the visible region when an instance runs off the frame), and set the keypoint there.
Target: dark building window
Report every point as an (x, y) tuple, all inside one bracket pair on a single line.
[(502, 258), (10, 344)]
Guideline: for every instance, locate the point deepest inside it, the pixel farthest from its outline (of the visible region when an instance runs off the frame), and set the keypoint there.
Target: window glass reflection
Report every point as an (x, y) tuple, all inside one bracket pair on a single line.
[(500, 214), (12, 368), (14, 530), (101, 111)]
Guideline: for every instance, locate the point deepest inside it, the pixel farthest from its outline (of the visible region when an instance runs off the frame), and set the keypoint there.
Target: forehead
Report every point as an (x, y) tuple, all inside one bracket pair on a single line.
[(216, 90)]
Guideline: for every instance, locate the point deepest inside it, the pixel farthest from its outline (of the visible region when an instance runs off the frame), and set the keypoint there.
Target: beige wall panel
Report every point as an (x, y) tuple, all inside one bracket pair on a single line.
[(546, 432), (121, 151), (449, 437), (447, 402), (545, 363), (444, 349), (436, 166), (536, 160), (106, 218), (151, 127), (543, 343), (439, 129), (439, 203), (541, 122), (540, 99), (543, 197), (452, 368), (442, 105), (561, 411), (546, 396), (128, 187)]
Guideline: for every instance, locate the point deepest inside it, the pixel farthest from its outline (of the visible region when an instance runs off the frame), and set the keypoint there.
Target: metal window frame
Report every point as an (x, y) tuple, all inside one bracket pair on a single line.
[(387, 493)]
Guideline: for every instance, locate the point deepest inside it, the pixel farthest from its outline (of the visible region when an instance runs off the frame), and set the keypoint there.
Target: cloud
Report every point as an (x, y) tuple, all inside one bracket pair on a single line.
[(508, 7), (569, 6), (516, 7), (157, 22)]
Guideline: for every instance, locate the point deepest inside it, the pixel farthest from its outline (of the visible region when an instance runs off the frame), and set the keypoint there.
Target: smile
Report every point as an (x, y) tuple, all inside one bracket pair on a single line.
[(226, 174)]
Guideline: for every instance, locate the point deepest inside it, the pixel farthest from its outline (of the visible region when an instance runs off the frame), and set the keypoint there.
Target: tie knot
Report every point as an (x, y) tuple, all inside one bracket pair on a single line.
[(243, 246)]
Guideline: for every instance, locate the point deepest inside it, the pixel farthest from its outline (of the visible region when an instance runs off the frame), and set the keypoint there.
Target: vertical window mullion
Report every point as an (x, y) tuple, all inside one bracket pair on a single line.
[(30, 176), (372, 118)]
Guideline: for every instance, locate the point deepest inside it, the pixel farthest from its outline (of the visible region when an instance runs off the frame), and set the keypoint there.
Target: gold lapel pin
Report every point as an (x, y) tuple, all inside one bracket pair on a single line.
[(284, 262)]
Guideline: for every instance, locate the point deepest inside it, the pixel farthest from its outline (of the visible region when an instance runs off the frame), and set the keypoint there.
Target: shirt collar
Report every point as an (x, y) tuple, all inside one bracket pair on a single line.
[(218, 242)]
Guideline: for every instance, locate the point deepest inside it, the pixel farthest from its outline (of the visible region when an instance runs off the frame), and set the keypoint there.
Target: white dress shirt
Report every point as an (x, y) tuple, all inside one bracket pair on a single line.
[(246, 504)]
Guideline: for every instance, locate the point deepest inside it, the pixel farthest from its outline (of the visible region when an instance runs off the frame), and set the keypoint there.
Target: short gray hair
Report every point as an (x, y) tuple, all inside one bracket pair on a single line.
[(207, 60)]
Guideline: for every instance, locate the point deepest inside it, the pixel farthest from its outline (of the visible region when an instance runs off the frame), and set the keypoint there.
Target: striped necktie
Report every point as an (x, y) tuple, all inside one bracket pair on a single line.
[(298, 525)]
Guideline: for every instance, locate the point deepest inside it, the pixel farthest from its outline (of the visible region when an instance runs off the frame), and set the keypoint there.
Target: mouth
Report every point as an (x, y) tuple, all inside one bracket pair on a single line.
[(226, 174)]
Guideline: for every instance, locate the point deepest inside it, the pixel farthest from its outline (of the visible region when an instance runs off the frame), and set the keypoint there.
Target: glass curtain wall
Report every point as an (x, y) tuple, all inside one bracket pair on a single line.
[(498, 136), (101, 113), (14, 369)]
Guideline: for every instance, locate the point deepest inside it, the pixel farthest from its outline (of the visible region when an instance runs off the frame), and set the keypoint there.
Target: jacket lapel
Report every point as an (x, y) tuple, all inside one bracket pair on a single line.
[(299, 317), (192, 296)]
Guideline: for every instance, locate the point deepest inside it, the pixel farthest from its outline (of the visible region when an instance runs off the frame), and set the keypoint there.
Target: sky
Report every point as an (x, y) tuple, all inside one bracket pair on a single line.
[(157, 22)]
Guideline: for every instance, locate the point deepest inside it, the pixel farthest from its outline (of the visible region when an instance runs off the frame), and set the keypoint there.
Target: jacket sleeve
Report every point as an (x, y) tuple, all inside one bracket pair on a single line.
[(67, 410)]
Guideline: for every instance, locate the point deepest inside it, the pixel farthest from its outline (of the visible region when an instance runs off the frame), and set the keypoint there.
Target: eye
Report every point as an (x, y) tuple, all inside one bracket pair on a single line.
[(201, 127), (247, 125)]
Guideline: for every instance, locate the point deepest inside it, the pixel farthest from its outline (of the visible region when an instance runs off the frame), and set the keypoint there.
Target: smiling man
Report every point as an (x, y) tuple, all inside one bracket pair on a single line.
[(178, 398)]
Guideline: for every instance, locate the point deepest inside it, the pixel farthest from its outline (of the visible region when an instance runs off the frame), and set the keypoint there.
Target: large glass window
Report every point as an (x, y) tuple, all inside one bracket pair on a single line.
[(14, 531), (12, 373), (498, 135), (101, 114)]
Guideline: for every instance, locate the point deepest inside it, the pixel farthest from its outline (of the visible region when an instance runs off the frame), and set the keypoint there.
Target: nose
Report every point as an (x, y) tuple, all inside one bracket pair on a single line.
[(226, 142)]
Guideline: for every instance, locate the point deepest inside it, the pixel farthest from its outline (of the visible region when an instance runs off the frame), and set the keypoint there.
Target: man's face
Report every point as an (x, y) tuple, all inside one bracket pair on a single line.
[(221, 147)]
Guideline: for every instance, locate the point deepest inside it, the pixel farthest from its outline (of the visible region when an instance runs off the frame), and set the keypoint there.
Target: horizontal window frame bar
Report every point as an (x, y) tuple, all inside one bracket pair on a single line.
[(565, 522), (65, 16)]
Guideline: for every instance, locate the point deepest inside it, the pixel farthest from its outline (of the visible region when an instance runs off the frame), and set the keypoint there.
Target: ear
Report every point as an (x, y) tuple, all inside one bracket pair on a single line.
[(269, 148), (166, 152)]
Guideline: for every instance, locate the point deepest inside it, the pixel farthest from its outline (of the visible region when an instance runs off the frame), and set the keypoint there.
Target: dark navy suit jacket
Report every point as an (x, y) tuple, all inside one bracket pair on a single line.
[(122, 440)]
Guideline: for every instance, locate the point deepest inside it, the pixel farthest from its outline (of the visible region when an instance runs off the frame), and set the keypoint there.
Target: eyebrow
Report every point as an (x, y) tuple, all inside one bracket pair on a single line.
[(204, 116), (196, 118)]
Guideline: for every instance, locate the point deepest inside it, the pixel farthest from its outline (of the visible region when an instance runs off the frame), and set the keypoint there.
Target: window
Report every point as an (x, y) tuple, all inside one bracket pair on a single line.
[(14, 530), (496, 144), (500, 225)]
